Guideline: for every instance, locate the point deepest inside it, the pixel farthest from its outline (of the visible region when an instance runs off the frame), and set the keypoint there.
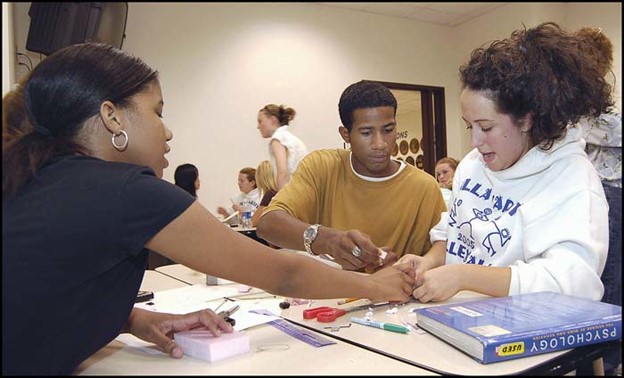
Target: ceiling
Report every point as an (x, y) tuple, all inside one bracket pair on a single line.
[(448, 14)]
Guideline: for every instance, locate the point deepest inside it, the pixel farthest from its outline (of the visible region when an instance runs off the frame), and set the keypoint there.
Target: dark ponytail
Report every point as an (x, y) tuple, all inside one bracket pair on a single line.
[(42, 117)]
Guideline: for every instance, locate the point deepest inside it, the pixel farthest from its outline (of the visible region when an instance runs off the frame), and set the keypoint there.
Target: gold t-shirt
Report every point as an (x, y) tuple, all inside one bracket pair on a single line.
[(398, 212)]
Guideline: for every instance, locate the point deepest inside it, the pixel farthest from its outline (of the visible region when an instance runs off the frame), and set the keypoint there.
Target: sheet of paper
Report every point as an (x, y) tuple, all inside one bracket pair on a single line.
[(198, 297)]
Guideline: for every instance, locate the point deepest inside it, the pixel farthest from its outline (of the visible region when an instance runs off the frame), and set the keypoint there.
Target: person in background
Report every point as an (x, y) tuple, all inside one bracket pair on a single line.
[(83, 200), (348, 203), (528, 206), (444, 171), (249, 195), (268, 189), (285, 149), (603, 137), (186, 176)]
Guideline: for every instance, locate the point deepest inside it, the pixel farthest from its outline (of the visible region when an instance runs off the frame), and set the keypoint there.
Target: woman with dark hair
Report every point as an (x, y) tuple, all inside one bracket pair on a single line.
[(186, 176), (83, 201), (529, 212)]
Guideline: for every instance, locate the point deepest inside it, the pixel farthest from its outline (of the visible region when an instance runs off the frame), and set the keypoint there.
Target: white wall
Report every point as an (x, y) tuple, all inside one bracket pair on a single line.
[(8, 49), (229, 60), (221, 62)]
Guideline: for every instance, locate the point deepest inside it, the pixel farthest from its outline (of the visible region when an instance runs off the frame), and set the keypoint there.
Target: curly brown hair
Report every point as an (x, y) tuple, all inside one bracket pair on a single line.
[(594, 43), (541, 72)]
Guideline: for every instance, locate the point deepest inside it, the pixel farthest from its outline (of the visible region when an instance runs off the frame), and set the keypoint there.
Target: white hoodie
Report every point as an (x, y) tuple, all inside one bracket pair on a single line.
[(545, 218)]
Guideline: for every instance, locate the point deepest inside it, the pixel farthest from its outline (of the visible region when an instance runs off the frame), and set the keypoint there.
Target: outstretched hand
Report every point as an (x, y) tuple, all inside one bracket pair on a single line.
[(158, 328), (393, 284)]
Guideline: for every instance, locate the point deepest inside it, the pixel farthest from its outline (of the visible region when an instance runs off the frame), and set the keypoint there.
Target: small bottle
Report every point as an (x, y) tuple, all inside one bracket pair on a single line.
[(246, 216)]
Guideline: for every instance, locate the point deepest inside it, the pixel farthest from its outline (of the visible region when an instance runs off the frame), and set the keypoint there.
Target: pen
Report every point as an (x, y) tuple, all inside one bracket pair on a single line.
[(381, 325)]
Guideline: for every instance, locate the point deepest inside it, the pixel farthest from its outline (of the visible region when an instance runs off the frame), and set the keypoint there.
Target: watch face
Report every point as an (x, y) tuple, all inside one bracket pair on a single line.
[(309, 233)]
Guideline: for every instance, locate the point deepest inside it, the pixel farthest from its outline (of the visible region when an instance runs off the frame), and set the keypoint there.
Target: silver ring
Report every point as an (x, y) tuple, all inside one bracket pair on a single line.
[(356, 251)]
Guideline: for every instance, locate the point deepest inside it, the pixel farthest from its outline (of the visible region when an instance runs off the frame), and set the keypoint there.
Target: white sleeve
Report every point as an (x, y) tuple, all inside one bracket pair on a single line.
[(438, 232), (565, 250)]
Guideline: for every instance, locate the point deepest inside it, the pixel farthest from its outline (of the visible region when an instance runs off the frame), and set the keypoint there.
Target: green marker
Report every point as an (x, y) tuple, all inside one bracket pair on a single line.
[(381, 325)]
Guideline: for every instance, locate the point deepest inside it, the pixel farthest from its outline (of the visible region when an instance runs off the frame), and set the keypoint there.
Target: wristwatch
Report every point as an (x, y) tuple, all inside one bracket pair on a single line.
[(309, 235)]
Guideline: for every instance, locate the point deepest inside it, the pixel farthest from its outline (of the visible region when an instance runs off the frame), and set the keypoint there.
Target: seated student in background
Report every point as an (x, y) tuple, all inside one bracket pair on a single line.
[(249, 195), (83, 199), (265, 179), (444, 172), (285, 148), (603, 137), (529, 212), (347, 203), (186, 176)]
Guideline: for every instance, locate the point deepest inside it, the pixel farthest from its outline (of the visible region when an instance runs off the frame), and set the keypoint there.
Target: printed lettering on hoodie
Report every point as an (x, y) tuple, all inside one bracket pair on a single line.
[(486, 214)]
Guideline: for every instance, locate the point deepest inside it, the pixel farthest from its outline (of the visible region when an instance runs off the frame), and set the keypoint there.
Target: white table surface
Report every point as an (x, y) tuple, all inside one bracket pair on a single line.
[(273, 352), (186, 274), (156, 281), (418, 347)]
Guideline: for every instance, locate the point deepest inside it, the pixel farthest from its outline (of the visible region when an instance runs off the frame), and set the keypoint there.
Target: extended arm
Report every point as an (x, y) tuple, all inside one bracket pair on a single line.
[(198, 240)]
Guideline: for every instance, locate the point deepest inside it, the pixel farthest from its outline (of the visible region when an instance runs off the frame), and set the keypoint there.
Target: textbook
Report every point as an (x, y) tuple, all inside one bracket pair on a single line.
[(499, 329)]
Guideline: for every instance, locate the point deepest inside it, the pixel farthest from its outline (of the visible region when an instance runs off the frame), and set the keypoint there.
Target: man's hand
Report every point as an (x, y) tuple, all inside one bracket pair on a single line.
[(354, 250)]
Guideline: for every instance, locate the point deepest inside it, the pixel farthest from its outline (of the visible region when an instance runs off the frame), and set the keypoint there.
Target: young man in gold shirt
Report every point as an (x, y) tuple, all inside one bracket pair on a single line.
[(349, 203)]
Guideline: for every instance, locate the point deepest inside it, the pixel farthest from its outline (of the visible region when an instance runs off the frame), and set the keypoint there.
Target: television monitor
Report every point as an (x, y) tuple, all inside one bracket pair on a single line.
[(57, 25)]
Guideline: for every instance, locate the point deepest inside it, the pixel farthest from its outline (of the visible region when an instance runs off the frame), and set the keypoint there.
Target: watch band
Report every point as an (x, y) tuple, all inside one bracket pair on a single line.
[(309, 236)]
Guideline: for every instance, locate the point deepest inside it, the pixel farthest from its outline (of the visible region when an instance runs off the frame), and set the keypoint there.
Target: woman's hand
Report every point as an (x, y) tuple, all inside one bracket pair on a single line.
[(393, 283), (438, 284), (419, 264), (159, 328)]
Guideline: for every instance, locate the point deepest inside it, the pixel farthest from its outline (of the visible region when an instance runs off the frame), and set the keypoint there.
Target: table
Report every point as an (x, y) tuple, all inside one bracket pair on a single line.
[(192, 277), (272, 353), (427, 348), (427, 351), (187, 275), (156, 281), (250, 232)]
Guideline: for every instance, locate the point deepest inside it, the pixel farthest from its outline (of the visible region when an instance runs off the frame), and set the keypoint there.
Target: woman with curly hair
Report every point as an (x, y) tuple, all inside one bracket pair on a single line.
[(529, 212)]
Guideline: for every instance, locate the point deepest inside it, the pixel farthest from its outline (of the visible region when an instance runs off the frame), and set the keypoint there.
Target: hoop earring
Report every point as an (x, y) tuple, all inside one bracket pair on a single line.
[(125, 143)]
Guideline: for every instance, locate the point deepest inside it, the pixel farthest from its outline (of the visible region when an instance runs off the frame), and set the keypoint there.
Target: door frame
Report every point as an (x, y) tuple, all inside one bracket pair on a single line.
[(433, 121)]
